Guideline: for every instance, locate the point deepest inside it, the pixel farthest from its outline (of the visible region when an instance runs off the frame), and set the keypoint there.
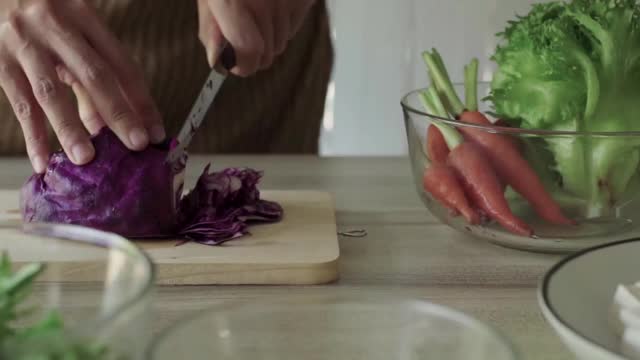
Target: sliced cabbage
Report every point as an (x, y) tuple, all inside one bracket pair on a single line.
[(139, 195)]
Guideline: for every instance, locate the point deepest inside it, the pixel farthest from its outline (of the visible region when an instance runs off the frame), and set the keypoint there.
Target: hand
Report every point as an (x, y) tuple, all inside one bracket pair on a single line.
[(46, 45), (258, 30)]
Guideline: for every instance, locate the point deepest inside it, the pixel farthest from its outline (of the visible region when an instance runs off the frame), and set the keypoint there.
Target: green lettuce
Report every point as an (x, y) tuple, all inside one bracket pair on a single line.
[(46, 339), (575, 66)]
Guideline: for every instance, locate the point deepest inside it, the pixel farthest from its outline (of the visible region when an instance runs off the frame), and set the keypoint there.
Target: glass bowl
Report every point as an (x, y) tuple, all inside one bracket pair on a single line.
[(99, 284), (602, 216), (330, 327)]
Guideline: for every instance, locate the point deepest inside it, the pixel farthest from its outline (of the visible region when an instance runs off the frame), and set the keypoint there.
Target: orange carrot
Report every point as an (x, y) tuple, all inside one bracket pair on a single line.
[(440, 181), (482, 184), (504, 154), (513, 168), (437, 148), (478, 118)]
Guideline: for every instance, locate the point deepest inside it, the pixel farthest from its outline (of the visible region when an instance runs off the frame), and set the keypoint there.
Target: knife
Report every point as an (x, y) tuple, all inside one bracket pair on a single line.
[(202, 104)]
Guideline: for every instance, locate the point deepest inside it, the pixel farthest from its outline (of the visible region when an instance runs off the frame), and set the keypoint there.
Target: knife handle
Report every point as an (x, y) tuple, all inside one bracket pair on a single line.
[(228, 57), (226, 60)]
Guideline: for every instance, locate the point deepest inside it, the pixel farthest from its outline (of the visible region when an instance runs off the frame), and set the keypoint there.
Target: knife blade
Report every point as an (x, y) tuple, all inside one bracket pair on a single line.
[(203, 102)]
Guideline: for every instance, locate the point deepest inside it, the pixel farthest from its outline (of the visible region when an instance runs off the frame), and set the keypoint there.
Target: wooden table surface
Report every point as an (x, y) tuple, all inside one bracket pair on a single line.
[(407, 251)]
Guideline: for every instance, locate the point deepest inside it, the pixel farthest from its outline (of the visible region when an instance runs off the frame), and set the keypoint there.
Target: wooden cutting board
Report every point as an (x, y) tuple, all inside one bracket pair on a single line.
[(300, 250)]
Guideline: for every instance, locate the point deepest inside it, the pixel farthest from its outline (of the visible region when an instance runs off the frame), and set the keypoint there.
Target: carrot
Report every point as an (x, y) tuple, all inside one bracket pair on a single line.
[(483, 186), (440, 181), (437, 148), (478, 178), (513, 168), (478, 118), (503, 153)]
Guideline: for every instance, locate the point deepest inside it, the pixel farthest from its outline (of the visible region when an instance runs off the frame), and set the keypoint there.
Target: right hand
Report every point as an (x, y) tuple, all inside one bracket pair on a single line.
[(46, 45)]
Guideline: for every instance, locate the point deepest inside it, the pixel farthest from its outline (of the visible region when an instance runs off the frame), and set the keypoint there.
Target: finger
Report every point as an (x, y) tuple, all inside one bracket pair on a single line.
[(56, 103), (266, 27), (28, 112), (239, 27), (89, 116), (65, 75), (101, 84), (282, 24), (209, 33), (129, 76)]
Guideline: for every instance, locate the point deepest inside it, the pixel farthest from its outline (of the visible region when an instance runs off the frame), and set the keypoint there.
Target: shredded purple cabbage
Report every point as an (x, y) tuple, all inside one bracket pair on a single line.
[(139, 195), (222, 205)]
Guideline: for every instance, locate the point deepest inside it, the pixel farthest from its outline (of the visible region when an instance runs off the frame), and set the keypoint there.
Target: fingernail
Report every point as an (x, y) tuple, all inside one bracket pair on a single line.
[(158, 134), (139, 138), (210, 56), (212, 53), (82, 153), (39, 164)]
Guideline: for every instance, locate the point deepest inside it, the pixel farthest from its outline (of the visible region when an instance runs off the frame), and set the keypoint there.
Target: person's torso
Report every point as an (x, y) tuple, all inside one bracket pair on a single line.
[(278, 110)]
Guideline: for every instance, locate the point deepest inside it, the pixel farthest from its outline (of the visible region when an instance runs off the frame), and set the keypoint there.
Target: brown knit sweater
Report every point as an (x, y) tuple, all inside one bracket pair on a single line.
[(276, 111)]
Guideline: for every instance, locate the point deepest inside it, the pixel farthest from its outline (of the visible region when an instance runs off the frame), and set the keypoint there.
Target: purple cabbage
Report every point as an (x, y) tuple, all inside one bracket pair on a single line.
[(222, 204), (125, 192), (139, 195)]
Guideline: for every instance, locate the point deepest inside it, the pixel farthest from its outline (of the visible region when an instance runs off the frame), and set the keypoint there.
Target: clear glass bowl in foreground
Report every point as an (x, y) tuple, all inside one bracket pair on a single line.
[(324, 327), (609, 215), (99, 283)]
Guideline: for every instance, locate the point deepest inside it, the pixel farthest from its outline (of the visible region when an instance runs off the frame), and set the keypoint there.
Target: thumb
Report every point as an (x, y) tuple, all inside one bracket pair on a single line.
[(215, 45), (210, 34), (212, 53)]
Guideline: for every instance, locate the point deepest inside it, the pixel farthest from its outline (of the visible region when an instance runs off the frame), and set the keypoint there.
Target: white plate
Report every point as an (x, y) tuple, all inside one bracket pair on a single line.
[(576, 294)]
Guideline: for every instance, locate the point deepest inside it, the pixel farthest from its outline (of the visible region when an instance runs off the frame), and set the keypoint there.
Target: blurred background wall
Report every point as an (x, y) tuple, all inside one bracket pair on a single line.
[(378, 45)]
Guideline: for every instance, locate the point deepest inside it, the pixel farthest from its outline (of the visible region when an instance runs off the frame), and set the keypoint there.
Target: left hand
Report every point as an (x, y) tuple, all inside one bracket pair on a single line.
[(258, 30)]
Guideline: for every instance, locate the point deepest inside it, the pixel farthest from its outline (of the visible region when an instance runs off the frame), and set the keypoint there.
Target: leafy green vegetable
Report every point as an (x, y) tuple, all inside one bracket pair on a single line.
[(442, 83), (45, 340), (431, 101), (471, 85), (575, 66)]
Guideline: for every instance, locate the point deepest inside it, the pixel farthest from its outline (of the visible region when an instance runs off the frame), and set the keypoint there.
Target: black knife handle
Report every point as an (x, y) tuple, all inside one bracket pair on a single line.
[(228, 57)]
